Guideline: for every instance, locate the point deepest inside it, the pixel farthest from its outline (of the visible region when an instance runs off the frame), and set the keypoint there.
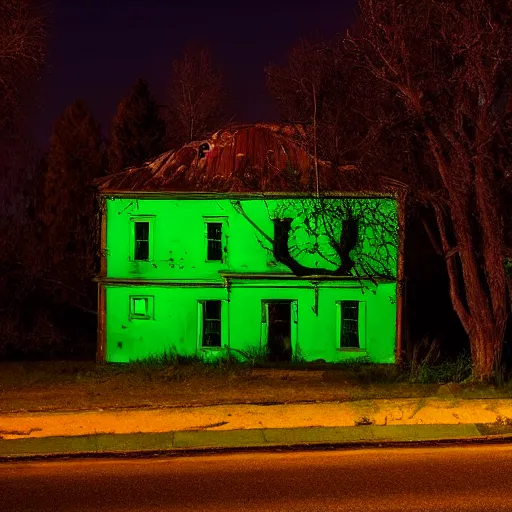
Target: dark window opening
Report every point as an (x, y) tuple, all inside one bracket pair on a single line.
[(141, 241), (279, 331), (214, 237), (349, 324), (211, 323), (202, 150)]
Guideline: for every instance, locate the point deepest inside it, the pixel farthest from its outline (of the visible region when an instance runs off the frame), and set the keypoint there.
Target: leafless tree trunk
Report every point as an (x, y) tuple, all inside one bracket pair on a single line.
[(198, 98), (315, 152), (448, 66), (311, 90)]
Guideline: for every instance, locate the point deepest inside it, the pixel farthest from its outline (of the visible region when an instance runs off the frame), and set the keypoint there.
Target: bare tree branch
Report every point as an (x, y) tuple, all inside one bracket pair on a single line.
[(197, 97)]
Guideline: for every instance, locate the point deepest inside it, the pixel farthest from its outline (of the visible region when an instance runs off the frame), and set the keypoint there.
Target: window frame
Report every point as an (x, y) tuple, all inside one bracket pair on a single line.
[(150, 307), (201, 310), (223, 221), (210, 240), (361, 324), (150, 219)]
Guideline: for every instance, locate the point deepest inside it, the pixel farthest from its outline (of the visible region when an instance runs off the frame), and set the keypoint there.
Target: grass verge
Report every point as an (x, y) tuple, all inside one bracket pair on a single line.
[(169, 381)]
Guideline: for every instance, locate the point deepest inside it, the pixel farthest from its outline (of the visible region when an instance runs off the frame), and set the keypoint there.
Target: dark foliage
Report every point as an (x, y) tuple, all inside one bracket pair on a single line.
[(49, 255), (138, 131)]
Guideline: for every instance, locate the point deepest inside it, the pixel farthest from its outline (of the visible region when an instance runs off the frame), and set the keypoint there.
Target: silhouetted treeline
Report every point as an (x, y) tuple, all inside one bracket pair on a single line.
[(420, 92), (49, 217)]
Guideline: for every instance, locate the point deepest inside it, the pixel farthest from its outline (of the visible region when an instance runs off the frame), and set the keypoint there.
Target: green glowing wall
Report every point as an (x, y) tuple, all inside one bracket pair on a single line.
[(177, 276)]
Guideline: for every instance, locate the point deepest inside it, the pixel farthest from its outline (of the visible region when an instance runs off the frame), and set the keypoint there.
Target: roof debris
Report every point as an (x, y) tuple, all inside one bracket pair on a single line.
[(241, 158)]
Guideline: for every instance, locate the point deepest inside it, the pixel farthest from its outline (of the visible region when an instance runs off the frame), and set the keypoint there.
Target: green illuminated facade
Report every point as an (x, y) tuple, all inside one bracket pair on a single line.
[(290, 277)]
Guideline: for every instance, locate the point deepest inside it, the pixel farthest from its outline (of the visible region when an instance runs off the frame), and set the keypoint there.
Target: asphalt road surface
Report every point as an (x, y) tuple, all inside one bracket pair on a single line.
[(476, 478)]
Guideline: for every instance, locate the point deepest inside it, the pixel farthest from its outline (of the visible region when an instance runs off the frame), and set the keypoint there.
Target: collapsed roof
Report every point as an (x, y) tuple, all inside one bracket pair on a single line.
[(240, 158)]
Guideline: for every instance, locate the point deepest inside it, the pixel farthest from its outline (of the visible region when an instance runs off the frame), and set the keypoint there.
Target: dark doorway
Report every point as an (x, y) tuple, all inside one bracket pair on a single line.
[(279, 331)]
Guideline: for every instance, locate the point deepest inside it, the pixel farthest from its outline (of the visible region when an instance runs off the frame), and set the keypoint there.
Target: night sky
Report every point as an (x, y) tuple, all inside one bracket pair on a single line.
[(99, 47)]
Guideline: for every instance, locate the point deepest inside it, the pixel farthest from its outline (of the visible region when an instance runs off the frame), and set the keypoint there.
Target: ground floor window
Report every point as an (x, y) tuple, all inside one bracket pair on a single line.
[(211, 331), (141, 307), (350, 328)]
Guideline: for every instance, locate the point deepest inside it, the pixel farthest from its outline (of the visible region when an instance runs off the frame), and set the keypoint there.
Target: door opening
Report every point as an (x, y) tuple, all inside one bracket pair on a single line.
[(279, 331)]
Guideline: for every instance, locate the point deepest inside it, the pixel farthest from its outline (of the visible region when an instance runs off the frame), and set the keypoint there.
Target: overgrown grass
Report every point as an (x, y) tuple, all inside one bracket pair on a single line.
[(177, 368), (362, 371), (252, 356), (169, 380), (170, 367), (456, 371), (356, 371)]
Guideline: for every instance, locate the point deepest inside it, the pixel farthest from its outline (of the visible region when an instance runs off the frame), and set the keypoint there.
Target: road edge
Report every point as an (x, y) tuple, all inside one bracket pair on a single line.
[(190, 443)]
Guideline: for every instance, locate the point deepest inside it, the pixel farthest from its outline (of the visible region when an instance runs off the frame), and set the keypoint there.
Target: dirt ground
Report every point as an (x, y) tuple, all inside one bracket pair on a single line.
[(27, 387)]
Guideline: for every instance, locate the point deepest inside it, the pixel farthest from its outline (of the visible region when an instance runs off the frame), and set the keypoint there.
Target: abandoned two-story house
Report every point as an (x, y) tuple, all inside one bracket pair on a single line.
[(243, 244)]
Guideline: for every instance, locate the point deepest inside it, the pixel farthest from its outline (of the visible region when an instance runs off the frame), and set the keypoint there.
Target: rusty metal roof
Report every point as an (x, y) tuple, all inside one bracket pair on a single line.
[(240, 158)]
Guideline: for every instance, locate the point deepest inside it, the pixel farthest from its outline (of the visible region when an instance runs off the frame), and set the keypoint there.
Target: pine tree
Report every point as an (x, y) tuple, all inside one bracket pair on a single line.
[(75, 158), (138, 131)]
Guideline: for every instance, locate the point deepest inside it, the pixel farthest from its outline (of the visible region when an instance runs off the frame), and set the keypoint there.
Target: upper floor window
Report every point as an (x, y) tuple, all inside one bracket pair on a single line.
[(215, 238), (203, 149), (141, 246), (142, 234), (214, 241)]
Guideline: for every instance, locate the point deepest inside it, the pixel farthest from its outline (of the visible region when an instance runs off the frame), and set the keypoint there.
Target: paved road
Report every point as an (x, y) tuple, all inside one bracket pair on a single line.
[(476, 478)]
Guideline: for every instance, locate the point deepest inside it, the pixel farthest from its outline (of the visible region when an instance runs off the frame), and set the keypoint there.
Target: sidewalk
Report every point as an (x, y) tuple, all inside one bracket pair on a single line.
[(178, 429)]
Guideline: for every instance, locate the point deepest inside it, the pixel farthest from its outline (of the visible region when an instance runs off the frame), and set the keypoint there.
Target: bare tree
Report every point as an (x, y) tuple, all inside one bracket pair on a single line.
[(22, 54), (446, 68), (198, 98), (304, 90), (313, 89), (301, 89)]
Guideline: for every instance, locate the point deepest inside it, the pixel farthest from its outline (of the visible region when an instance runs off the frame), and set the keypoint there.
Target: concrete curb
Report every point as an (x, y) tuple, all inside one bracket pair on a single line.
[(384, 412), (197, 442)]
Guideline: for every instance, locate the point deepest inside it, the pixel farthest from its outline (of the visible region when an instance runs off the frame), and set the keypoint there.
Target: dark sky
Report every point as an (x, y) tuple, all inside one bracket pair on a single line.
[(99, 47)]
